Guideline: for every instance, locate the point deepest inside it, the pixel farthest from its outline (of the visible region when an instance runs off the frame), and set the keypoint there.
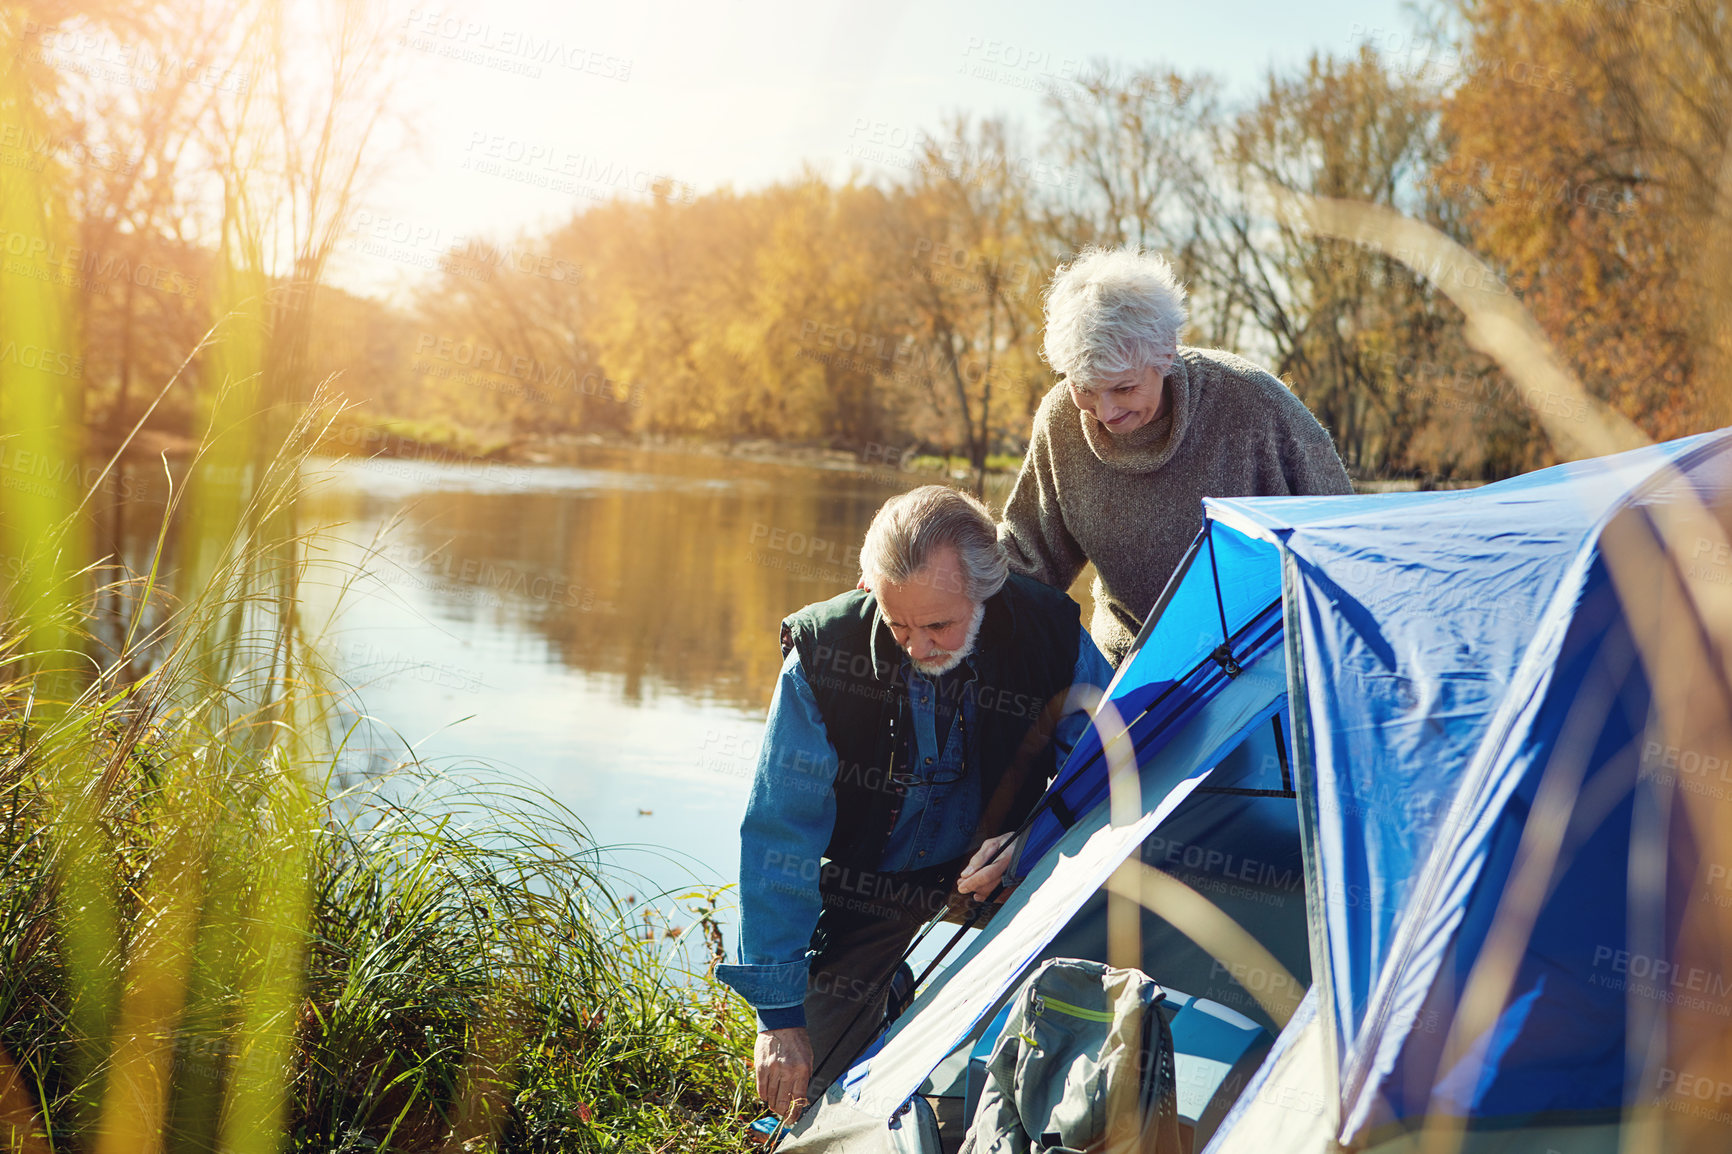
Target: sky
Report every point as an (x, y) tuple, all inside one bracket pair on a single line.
[(516, 113)]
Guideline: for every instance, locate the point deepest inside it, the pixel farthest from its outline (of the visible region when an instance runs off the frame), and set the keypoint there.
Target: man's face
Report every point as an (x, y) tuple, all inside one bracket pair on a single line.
[(1127, 402), (929, 614)]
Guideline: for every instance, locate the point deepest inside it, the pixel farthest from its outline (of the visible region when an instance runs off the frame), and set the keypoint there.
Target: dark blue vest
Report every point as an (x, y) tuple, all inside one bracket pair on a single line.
[(1024, 657)]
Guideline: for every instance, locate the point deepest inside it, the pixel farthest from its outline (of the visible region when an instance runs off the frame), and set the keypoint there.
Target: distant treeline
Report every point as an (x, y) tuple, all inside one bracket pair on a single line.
[(1579, 148)]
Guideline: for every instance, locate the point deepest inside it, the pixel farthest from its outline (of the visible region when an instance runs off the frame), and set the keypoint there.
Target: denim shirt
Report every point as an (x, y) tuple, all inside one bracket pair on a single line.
[(791, 813)]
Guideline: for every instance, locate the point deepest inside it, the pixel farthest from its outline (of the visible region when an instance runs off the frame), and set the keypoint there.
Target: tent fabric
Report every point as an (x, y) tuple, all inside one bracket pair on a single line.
[(1289, 1104), (1415, 612), (1235, 841), (1169, 675), (1558, 1049), (1440, 639)]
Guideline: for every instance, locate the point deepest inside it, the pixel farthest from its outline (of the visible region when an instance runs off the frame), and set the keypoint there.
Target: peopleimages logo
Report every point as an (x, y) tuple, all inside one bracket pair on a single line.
[(34, 146), (142, 66), (456, 35), (1698, 1095), (44, 259), (1658, 756), (1662, 974), (43, 360), (555, 167), (483, 359)]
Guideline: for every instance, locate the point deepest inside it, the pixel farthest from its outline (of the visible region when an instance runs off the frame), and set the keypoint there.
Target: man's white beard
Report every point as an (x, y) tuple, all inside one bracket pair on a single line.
[(944, 662)]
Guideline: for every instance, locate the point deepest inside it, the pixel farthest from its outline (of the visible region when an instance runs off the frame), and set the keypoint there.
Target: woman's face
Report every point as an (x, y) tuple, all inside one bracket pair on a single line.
[(1127, 402)]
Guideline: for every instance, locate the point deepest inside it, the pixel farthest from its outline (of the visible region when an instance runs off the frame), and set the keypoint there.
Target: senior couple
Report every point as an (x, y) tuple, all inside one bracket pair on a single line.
[(918, 719)]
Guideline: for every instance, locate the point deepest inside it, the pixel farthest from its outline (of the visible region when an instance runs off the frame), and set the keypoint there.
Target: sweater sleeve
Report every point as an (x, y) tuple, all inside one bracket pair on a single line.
[(1310, 463), (1033, 529)]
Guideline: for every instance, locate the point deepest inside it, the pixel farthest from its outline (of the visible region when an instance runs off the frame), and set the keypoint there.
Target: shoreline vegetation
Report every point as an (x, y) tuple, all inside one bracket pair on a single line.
[(467, 981), (428, 440), (210, 939), (435, 442), (444, 444)]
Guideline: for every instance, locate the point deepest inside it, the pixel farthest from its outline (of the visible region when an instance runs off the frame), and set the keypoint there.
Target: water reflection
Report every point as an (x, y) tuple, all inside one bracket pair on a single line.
[(665, 574)]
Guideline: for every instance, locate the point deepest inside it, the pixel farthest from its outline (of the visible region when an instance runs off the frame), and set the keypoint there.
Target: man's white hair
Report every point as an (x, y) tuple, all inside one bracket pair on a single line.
[(1110, 312), (910, 527)]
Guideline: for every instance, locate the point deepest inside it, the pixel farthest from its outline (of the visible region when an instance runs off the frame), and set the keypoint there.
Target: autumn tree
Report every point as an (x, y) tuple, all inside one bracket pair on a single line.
[(907, 309), (822, 328), (972, 266), (1131, 147), (1592, 138), (774, 314), (1369, 343), (143, 191), (500, 341)]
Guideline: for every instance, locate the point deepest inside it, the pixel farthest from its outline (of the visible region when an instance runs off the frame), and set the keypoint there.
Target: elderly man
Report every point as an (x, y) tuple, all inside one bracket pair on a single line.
[(916, 722), (1138, 431)]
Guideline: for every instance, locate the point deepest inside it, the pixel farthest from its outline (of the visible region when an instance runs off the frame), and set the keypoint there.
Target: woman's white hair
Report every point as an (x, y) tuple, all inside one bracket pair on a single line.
[(910, 527), (1110, 312)]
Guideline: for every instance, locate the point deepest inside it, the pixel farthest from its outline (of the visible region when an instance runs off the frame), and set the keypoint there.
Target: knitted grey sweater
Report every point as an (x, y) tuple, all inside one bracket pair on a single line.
[(1132, 503)]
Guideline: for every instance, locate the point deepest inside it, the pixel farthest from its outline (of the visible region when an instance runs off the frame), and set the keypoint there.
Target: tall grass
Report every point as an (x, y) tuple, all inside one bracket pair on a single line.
[(461, 979), (203, 945)]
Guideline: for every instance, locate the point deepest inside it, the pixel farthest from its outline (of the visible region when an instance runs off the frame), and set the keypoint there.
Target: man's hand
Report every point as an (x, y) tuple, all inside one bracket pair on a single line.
[(982, 873), (783, 1063)]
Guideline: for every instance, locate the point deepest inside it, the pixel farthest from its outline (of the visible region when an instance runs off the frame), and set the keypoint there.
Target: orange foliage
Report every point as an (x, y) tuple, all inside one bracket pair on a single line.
[(1591, 140)]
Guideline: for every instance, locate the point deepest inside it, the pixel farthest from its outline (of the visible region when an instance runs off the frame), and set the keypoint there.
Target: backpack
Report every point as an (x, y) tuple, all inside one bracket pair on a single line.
[(1084, 1063)]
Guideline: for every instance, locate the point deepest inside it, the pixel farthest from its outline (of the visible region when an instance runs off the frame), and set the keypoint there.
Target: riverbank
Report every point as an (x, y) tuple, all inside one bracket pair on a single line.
[(438, 441), (442, 443)]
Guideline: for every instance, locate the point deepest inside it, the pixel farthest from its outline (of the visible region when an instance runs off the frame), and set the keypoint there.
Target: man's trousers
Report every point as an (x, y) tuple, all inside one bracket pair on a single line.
[(868, 920)]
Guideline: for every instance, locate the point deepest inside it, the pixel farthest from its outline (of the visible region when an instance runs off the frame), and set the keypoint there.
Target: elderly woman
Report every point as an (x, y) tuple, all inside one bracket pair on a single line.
[(1138, 431)]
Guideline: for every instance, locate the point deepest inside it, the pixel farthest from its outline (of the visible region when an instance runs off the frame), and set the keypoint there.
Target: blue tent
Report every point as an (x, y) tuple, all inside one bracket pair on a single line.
[(1454, 763)]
